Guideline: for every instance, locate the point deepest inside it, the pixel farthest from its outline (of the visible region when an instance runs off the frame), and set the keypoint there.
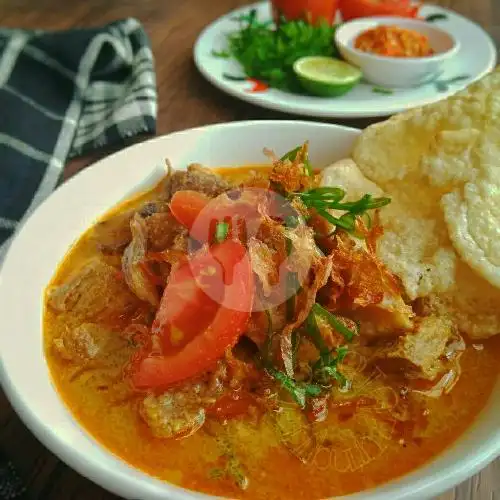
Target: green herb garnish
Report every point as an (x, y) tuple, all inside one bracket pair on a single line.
[(299, 391), (436, 17), (326, 367), (292, 155), (233, 78), (382, 90), (221, 231), (327, 198), (222, 54), (444, 85), (326, 370), (268, 53), (334, 322)]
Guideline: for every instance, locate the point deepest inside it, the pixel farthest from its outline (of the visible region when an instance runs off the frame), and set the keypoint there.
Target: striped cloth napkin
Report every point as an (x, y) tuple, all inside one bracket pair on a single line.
[(63, 94)]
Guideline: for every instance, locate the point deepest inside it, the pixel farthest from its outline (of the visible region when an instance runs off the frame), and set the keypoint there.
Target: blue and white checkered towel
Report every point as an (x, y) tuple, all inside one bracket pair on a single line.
[(63, 94)]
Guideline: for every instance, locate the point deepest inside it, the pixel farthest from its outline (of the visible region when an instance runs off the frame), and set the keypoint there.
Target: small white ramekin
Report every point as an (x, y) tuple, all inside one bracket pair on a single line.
[(396, 72)]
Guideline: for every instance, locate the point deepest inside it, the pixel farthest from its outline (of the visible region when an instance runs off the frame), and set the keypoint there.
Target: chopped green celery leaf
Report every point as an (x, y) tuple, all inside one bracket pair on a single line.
[(334, 322)]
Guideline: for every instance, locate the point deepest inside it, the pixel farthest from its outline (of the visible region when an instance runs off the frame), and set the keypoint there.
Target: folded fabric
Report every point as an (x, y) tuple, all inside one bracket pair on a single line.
[(63, 94), (11, 485)]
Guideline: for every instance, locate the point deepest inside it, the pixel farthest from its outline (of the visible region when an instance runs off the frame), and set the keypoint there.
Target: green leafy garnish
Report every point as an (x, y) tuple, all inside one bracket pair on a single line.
[(326, 198), (222, 54), (299, 391), (334, 322), (436, 17), (382, 90), (221, 231), (234, 78), (444, 85), (292, 155), (325, 370), (326, 367), (268, 54)]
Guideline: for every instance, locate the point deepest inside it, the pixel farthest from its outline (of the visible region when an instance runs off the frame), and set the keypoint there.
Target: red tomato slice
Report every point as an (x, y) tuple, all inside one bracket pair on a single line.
[(230, 321), (311, 11), (186, 207), (200, 214), (186, 308), (352, 9)]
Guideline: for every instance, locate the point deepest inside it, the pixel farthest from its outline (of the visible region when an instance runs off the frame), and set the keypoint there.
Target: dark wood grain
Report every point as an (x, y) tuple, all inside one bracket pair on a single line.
[(185, 100)]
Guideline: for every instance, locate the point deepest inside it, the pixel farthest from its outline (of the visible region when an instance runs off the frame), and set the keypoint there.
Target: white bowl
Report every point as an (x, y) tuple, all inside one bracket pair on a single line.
[(33, 257), (396, 72)]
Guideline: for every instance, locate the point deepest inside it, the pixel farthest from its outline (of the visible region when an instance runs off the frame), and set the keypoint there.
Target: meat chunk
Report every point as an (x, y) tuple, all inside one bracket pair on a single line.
[(95, 291), (134, 265), (86, 342), (198, 178), (179, 413), (424, 353), (113, 234), (173, 414), (165, 232)]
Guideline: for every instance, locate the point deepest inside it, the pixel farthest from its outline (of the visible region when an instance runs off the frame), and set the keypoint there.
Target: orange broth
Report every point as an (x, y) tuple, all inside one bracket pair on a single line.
[(345, 453)]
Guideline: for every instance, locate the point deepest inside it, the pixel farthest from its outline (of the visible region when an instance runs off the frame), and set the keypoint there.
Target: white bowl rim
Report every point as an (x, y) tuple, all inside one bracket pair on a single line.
[(121, 484), (394, 20)]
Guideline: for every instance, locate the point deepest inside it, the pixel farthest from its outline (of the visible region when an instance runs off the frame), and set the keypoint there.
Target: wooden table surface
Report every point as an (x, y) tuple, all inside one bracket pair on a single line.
[(185, 100)]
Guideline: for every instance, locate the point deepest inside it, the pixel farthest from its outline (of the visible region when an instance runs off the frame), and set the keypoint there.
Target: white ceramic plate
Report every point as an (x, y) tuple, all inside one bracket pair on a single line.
[(477, 56), (46, 236)]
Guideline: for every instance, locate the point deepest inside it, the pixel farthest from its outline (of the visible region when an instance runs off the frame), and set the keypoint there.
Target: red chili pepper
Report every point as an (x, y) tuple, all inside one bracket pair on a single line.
[(258, 86)]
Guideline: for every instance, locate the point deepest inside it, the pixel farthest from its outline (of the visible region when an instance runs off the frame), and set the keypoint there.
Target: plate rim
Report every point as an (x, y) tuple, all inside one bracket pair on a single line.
[(254, 99)]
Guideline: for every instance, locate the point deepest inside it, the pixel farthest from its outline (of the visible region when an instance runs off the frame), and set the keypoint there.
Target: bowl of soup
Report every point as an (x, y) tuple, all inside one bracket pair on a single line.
[(235, 322)]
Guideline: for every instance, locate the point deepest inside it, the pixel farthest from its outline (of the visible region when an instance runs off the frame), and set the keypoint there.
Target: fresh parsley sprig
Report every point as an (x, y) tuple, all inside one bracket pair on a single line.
[(268, 53)]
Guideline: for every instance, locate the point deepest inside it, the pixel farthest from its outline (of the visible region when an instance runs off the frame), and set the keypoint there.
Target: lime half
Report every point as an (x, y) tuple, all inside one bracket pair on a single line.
[(325, 76)]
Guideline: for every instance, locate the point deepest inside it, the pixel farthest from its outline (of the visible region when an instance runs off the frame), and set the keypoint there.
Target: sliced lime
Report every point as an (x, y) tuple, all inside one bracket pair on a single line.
[(325, 76)]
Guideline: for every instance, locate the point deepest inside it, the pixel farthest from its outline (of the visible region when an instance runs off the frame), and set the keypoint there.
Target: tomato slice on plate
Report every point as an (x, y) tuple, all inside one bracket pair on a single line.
[(229, 322), (352, 9)]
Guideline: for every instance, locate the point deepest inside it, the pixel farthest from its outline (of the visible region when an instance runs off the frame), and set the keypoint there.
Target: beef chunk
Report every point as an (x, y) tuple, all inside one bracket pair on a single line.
[(113, 234), (173, 414), (181, 412), (87, 341), (424, 353), (95, 291), (197, 178), (165, 232)]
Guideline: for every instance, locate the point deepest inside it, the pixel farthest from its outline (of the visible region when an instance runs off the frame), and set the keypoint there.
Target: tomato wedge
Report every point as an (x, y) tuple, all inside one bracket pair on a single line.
[(352, 9), (229, 322), (189, 302), (200, 214), (186, 207)]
